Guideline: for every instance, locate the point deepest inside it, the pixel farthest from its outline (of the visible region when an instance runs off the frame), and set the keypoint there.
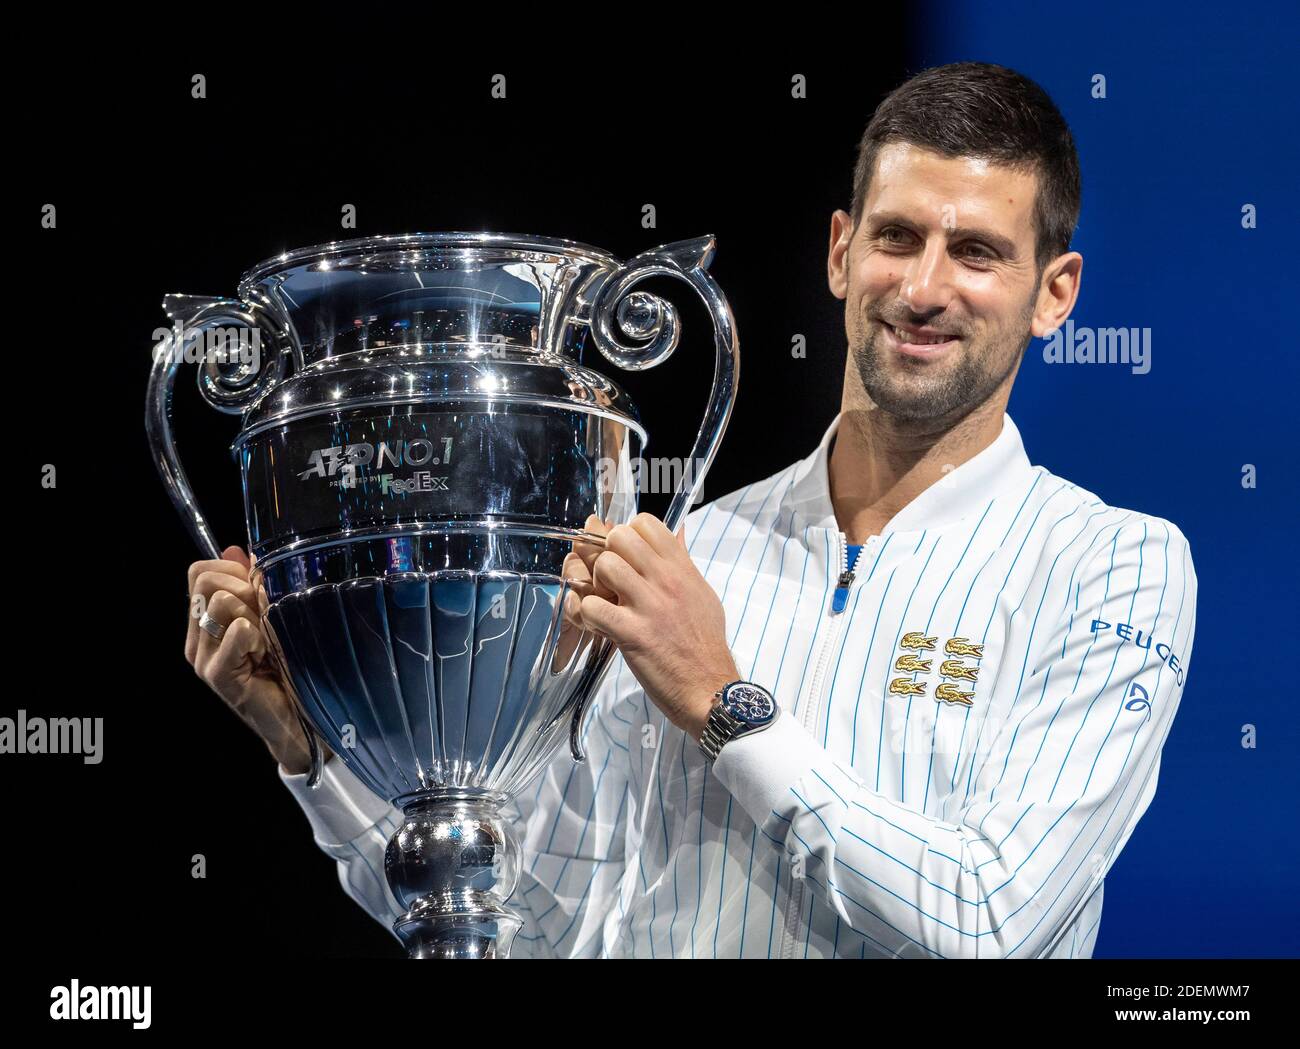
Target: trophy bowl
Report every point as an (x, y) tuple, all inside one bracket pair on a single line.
[(421, 445)]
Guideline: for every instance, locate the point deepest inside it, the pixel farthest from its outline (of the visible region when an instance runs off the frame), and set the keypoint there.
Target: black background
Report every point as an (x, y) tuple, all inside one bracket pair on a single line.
[(158, 192)]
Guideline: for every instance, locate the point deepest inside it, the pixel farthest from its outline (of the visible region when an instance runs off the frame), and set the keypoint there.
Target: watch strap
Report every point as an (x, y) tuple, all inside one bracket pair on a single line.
[(718, 729)]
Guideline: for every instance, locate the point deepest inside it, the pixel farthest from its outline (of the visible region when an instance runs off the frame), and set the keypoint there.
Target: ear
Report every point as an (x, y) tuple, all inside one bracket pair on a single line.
[(837, 274)]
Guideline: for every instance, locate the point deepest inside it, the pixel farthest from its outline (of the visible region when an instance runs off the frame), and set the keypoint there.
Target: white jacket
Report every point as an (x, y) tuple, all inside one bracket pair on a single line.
[(961, 755)]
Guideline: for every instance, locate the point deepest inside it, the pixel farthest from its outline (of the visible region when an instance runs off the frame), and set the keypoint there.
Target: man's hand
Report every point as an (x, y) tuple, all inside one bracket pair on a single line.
[(238, 667), (577, 573), (647, 596)]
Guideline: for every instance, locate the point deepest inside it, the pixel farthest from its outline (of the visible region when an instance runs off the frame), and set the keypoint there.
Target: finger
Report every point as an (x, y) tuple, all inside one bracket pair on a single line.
[(656, 534), (587, 556), (242, 642), (202, 590), (573, 608), (606, 618), (590, 551), (681, 537), (577, 579), (594, 526), (573, 619), (613, 572), (574, 638), (236, 554), (631, 546), (226, 609), (233, 568), (575, 570), (577, 574), (211, 583)]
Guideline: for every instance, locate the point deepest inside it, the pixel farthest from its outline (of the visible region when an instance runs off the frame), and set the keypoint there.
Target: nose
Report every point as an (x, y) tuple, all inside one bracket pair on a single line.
[(925, 288)]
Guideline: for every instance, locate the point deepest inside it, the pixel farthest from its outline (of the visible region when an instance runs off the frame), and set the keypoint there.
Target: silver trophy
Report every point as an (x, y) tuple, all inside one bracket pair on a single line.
[(421, 445)]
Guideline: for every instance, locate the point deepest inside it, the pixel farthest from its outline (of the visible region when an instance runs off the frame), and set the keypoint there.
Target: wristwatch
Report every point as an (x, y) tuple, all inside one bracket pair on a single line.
[(741, 708)]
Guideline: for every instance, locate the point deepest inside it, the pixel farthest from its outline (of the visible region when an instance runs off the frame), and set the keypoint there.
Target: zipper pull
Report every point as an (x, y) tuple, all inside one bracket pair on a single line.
[(842, 591)]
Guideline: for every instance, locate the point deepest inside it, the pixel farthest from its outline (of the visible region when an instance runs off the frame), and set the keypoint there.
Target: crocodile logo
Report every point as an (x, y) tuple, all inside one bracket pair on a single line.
[(917, 639), (959, 646), (909, 663), (902, 686), (956, 668), (950, 693)]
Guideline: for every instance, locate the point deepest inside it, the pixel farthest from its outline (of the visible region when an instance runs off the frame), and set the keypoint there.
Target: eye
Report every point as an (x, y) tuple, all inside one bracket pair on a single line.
[(977, 251), (894, 235)]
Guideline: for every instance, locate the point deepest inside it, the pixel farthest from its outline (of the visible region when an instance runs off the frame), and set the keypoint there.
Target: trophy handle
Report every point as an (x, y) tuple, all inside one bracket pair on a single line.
[(652, 321), (230, 387)]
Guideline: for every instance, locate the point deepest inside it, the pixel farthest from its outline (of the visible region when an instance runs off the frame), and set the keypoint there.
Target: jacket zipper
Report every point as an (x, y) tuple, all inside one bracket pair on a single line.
[(846, 578), (795, 901)]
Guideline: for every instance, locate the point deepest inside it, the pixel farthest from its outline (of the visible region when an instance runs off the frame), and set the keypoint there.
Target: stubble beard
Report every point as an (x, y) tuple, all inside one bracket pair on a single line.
[(908, 394)]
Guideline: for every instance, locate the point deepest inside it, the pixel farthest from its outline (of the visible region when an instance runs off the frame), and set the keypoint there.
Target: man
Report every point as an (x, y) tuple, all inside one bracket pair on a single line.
[(974, 663)]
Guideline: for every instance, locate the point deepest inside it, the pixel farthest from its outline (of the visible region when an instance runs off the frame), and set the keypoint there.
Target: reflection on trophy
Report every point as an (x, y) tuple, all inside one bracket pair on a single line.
[(421, 445)]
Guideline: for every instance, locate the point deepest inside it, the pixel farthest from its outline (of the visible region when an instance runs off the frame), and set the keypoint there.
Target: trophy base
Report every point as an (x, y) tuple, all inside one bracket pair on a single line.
[(483, 935), (452, 864)]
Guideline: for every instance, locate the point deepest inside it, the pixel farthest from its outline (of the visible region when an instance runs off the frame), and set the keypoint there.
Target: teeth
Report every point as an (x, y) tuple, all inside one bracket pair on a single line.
[(918, 340)]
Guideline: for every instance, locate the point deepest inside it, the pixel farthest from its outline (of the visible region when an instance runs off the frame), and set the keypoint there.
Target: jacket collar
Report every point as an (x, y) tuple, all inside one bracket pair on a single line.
[(963, 490)]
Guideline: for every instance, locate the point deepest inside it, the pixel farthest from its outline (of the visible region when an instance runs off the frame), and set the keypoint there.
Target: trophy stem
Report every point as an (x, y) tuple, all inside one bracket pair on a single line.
[(452, 864)]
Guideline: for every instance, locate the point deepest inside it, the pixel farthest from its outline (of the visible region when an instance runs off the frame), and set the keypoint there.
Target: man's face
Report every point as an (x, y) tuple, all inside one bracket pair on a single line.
[(939, 281)]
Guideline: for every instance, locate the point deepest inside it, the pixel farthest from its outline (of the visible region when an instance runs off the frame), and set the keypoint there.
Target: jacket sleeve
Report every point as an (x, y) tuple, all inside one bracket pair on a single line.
[(571, 821), (1051, 799)]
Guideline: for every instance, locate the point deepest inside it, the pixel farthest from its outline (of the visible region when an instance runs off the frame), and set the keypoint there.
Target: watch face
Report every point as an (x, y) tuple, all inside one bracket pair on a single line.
[(750, 704)]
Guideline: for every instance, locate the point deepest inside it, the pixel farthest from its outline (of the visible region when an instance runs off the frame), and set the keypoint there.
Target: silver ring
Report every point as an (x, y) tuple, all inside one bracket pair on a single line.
[(214, 629)]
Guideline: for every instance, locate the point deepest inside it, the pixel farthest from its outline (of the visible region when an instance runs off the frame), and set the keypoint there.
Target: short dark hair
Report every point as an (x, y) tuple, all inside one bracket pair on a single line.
[(976, 109)]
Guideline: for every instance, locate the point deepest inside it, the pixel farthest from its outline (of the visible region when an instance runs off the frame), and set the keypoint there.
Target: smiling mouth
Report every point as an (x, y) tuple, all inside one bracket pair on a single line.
[(920, 343)]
